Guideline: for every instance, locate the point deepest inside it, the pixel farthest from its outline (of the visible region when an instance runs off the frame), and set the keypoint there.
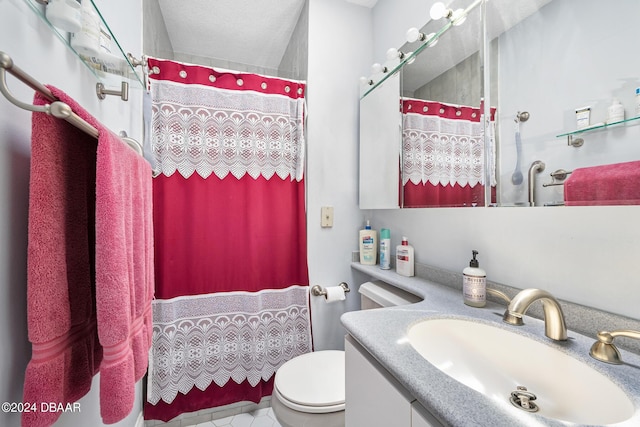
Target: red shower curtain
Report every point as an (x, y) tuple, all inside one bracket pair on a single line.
[(443, 154), (231, 269)]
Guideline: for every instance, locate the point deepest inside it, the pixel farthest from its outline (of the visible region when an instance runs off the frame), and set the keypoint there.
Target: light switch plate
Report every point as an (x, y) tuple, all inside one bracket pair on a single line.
[(326, 216)]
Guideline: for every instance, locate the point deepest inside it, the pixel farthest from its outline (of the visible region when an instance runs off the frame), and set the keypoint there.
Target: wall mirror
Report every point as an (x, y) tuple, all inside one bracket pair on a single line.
[(534, 63)]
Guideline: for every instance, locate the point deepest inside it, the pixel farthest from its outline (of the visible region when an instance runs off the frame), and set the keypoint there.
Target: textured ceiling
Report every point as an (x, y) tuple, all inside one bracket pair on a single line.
[(254, 32)]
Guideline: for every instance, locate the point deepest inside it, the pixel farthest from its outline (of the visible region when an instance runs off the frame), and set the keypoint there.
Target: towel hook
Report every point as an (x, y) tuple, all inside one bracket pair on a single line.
[(123, 93)]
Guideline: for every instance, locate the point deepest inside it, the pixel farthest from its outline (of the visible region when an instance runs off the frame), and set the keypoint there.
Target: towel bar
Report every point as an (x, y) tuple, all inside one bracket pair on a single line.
[(57, 108)]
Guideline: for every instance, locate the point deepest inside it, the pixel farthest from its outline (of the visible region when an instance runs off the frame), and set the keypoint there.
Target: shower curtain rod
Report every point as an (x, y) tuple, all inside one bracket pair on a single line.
[(56, 109)]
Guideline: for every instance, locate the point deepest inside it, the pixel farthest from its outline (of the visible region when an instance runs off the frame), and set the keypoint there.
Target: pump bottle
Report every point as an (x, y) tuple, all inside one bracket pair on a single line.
[(368, 245), (474, 285)]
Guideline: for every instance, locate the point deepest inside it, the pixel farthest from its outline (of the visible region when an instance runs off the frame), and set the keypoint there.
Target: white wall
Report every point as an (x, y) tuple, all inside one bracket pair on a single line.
[(339, 48), (35, 50), (587, 255)]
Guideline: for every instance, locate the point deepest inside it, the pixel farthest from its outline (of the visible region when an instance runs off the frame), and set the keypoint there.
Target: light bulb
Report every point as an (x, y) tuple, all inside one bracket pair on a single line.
[(363, 80), (410, 55), (437, 11), (392, 53), (378, 68), (413, 35)]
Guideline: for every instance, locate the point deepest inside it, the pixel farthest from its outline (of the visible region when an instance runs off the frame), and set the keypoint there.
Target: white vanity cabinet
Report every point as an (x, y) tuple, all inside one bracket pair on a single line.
[(374, 398)]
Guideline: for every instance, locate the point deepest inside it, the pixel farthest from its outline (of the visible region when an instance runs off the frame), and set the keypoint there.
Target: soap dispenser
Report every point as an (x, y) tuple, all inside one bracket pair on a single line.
[(368, 243), (474, 285)]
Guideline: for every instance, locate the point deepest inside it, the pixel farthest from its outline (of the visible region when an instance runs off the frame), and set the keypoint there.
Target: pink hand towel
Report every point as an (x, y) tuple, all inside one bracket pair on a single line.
[(614, 184), (123, 250)]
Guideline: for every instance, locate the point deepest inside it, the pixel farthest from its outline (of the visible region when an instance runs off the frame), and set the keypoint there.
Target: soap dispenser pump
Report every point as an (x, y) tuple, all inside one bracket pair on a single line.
[(474, 285)]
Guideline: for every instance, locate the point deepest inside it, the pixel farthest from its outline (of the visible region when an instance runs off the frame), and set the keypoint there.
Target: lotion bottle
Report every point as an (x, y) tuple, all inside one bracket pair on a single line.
[(404, 258), (368, 245), (385, 249), (474, 285)]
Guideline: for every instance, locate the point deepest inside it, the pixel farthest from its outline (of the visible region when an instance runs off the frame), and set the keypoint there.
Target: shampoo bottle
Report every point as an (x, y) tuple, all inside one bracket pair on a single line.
[(368, 245), (404, 258), (474, 285), (385, 249)]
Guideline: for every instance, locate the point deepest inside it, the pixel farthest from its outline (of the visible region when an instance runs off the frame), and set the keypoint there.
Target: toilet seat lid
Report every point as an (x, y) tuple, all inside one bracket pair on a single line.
[(313, 379)]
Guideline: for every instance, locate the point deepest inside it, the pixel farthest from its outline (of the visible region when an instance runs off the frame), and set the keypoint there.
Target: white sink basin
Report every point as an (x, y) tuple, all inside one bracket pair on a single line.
[(494, 361)]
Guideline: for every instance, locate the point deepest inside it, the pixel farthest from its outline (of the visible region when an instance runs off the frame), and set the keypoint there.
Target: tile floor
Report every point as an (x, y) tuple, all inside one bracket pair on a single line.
[(240, 414), (260, 418)]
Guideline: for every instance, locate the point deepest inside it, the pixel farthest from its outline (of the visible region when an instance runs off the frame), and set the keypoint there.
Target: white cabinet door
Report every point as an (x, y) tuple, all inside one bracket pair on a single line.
[(373, 397)]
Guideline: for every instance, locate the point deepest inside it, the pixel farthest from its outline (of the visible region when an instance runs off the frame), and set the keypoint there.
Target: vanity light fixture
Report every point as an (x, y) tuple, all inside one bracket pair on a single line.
[(366, 81), (439, 11), (413, 35), (378, 68), (394, 53)]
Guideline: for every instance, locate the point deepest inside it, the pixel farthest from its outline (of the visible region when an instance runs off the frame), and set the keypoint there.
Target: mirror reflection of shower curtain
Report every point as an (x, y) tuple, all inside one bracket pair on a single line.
[(231, 271), (442, 154)]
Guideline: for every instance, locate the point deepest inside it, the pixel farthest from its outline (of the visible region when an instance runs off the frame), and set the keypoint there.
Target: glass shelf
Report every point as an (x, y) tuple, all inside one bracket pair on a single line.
[(597, 126), (109, 69)]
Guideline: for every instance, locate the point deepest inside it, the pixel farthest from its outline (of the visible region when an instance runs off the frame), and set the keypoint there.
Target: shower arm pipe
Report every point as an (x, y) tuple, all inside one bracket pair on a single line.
[(56, 109), (536, 167)]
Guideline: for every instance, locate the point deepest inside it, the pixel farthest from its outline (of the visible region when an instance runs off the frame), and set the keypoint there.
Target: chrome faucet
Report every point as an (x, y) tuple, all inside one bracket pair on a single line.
[(604, 349), (554, 326)]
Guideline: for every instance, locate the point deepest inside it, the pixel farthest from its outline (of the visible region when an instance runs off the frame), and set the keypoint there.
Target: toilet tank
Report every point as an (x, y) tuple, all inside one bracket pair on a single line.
[(379, 294)]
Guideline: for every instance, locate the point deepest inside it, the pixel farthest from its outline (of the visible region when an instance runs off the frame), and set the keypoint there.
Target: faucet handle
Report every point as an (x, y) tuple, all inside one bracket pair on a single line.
[(604, 349)]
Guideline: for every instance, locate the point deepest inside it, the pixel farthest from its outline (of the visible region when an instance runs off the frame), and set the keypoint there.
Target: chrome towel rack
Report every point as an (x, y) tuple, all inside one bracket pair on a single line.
[(56, 109)]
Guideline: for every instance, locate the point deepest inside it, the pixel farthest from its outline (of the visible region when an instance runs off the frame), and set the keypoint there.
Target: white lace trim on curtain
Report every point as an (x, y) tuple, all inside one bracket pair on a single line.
[(207, 130), (241, 336), (442, 151)]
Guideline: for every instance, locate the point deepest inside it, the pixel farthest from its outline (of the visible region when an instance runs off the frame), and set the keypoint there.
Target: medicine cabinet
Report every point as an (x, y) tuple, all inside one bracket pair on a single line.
[(530, 60)]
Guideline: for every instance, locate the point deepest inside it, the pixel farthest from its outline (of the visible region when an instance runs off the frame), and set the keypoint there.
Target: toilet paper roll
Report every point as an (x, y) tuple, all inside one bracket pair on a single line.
[(334, 293)]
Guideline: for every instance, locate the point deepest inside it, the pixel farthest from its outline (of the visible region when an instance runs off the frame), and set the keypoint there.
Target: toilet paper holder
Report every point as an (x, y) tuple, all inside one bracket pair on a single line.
[(317, 290)]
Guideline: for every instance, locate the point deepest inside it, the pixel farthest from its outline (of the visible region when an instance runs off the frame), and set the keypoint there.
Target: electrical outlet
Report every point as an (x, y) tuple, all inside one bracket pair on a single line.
[(326, 216)]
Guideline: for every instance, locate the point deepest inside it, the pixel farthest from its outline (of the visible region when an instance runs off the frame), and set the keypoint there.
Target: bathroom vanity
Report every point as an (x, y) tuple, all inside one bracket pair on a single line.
[(388, 382), (376, 397)]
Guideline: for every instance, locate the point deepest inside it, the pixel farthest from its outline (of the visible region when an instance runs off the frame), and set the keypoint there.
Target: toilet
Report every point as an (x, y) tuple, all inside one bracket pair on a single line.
[(309, 390)]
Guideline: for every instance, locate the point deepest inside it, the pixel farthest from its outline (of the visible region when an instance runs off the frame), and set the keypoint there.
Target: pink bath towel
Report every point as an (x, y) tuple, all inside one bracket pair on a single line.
[(614, 184), (61, 314), (115, 307)]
